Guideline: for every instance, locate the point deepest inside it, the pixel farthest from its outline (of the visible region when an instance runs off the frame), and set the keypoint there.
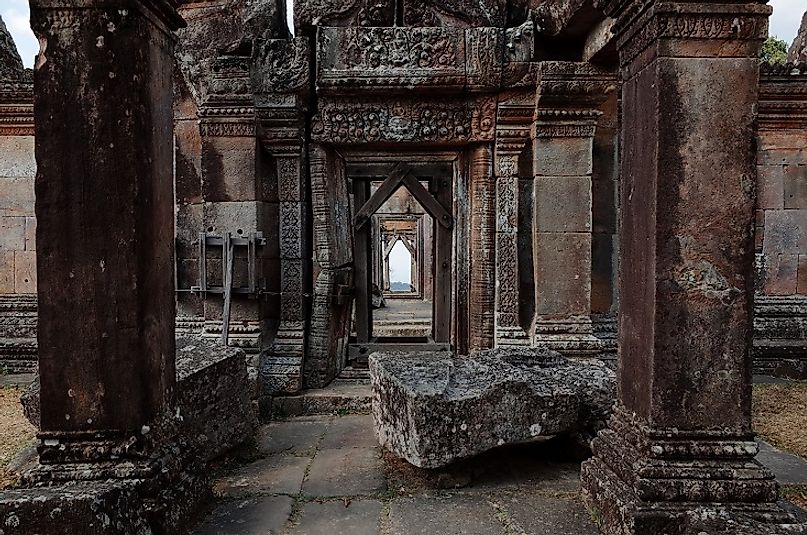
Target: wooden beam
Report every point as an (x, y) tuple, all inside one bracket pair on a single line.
[(428, 202), (384, 192)]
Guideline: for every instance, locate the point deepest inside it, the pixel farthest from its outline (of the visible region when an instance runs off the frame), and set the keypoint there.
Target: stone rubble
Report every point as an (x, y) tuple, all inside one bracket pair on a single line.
[(433, 408)]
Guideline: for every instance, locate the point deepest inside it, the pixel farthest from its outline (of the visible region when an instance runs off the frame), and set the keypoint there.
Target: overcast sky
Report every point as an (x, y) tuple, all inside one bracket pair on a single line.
[(784, 23)]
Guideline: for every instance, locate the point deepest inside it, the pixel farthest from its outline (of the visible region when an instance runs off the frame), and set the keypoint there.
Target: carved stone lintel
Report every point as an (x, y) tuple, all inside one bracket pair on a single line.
[(446, 122)]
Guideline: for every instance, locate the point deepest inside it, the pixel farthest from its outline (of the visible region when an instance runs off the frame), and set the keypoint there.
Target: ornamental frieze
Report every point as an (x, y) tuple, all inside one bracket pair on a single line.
[(391, 56), (421, 121), (402, 57)]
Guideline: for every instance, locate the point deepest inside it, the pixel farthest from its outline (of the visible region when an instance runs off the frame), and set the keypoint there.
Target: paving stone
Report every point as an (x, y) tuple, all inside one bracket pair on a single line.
[(788, 468), (295, 437), (345, 472), (251, 516), (443, 515), (353, 431), (537, 513), (359, 517), (279, 474)]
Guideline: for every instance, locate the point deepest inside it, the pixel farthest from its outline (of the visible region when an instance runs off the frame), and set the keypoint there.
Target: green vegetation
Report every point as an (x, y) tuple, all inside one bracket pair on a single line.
[(774, 51)]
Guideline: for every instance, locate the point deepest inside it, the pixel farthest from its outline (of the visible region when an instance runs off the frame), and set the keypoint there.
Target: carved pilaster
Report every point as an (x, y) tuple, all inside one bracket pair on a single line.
[(281, 80), (563, 136), (483, 248), (514, 124)]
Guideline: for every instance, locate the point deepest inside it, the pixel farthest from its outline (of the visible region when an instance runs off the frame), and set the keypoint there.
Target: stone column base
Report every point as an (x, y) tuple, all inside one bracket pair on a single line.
[(246, 335), (572, 337), (281, 366), (511, 337), (649, 482)]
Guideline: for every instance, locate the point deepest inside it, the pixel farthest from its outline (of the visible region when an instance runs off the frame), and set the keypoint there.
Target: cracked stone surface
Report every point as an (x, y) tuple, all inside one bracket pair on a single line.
[(343, 483), (433, 409)]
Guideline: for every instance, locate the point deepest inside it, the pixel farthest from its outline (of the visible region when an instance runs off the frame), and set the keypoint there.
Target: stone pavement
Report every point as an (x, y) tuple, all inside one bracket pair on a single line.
[(326, 475)]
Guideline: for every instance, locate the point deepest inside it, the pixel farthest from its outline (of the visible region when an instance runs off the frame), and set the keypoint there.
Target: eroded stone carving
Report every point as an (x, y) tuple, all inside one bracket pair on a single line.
[(433, 408), (798, 49), (453, 121), (10, 62)]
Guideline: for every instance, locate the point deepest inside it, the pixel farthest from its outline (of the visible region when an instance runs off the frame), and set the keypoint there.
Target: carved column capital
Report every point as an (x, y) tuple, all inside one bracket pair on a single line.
[(572, 91), (740, 28)]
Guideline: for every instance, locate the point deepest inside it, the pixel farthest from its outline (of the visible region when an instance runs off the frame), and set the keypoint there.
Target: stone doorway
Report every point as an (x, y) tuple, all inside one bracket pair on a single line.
[(403, 209)]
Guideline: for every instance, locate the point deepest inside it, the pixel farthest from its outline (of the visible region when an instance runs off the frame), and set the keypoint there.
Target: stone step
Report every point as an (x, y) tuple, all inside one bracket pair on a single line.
[(340, 397)]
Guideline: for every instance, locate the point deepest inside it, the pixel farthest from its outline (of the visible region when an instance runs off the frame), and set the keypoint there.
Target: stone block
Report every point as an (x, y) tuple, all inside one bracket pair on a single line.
[(25, 272), (229, 169), (214, 395), (563, 156), (770, 187), (18, 196), (18, 157), (568, 290), (92, 508), (795, 186), (30, 233), (309, 13), (785, 232), (782, 147), (781, 274), (7, 272), (12, 233), (435, 408), (188, 154), (563, 204), (245, 216)]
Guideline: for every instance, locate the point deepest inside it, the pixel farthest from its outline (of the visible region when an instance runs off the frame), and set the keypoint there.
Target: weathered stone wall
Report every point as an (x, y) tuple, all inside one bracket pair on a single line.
[(798, 49), (224, 180), (780, 319), (17, 220)]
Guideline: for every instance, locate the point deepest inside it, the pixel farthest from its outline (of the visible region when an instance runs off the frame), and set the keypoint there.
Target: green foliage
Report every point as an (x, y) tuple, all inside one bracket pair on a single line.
[(774, 51)]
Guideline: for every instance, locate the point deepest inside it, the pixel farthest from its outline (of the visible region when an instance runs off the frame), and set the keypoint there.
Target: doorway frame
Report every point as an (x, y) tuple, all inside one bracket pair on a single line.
[(440, 172)]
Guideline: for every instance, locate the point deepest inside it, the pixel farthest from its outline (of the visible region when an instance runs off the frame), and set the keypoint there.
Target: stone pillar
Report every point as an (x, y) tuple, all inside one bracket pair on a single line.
[(680, 440), (105, 234), (515, 117), (482, 247), (281, 79), (566, 118)]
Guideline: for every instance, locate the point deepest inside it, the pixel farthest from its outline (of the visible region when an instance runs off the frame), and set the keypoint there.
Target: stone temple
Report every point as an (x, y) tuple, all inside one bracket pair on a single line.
[(209, 215)]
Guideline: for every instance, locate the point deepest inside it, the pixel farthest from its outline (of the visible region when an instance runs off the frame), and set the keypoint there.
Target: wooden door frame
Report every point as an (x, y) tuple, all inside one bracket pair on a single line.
[(440, 205)]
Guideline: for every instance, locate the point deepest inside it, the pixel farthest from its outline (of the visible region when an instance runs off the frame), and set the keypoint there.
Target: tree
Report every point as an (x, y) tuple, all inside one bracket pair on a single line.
[(774, 51)]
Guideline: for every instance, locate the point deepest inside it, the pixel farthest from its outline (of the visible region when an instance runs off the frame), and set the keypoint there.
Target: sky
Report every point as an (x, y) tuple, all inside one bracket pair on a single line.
[(784, 23)]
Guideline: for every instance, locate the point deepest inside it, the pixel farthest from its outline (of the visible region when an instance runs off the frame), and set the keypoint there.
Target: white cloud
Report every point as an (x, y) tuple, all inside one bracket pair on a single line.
[(15, 15), (786, 18)]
